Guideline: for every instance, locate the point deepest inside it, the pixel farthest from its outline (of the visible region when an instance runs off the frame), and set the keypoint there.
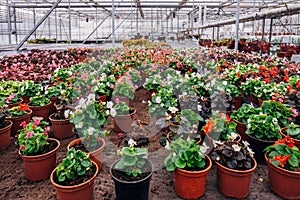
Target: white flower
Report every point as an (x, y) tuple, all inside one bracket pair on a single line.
[(199, 107), (173, 109), (143, 101), (233, 135), (113, 112), (204, 148), (67, 113), (91, 130), (236, 147), (274, 120), (250, 151), (109, 104), (246, 144), (131, 142), (81, 101), (167, 145), (79, 125), (91, 97), (218, 158), (158, 99), (217, 142)]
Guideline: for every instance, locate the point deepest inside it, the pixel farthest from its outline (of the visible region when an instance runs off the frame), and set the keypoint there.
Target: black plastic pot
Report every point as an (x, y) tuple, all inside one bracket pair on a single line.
[(258, 146), (135, 190)]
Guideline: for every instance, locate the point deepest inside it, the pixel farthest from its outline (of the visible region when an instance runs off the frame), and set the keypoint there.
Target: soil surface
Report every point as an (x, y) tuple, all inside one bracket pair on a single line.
[(14, 185)]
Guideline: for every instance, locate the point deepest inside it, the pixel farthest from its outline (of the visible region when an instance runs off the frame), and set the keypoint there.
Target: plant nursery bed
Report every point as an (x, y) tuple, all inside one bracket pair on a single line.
[(14, 185)]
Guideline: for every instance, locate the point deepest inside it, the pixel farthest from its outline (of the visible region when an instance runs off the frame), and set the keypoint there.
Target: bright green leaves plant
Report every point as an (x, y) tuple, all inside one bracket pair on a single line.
[(39, 100), (294, 131), (185, 154), (76, 164), (132, 161)]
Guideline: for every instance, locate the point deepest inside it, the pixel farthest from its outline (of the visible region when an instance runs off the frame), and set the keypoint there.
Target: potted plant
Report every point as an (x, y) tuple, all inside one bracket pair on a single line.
[(124, 91), (151, 84), (28, 89), (12, 99), (241, 116), (132, 173), (5, 126), (220, 127), (40, 106), (88, 118), (62, 127), (262, 131), (53, 93), (235, 164), (283, 159), (293, 130), (122, 116), (37, 150), (19, 114), (74, 177), (104, 87), (190, 167)]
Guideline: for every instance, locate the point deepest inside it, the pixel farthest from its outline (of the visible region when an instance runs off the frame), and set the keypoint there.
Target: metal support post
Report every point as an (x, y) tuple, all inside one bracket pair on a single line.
[(213, 33), (49, 27), (70, 22), (270, 34), (96, 25), (8, 22), (193, 18), (38, 24), (15, 24), (236, 45), (113, 23), (263, 32), (218, 33), (177, 22), (137, 20), (56, 35)]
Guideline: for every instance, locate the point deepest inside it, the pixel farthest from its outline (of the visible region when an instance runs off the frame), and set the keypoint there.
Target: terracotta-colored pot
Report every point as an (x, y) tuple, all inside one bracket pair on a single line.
[(191, 184), (96, 155), (241, 129), (260, 102), (283, 182), (10, 105), (41, 111), (258, 146), (252, 98), (39, 167), (5, 135), (237, 102), (62, 128), (17, 122), (122, 123), (297, 142), (234, 183), (83, 191), (52, 106)]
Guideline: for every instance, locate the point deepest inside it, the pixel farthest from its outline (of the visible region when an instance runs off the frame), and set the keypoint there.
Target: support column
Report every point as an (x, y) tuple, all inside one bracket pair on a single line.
[(96, 25), (236, 45), (70, 22), (263, 31), (56, 36), (137, 20), (34, 22), (49, 28), (193, 18), (218, 33), (270, 33), (213, 33), (8, 22), (113, 23), (15, 24)]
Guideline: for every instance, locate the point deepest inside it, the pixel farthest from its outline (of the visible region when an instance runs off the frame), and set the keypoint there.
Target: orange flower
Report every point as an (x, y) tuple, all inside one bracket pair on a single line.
[(23, 106), (286, 78), (238, 74), (298, 84), (208, 127), (267, 80), (282, 159), (224, 64), (218, 68), (227, 118)]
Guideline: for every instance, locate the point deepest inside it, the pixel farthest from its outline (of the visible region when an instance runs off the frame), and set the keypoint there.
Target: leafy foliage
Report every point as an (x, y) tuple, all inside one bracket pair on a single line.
[(39, 100)]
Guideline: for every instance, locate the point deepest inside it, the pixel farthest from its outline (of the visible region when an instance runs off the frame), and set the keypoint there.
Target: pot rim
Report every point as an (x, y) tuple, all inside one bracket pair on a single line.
[(45, 154), (9, 126), (48, 104), (130, 182), (267, 141), (284, 134), (125, 114), (90, 152), (16, 117), (196, 172), (73, 186), (236, 170), (279, 168)]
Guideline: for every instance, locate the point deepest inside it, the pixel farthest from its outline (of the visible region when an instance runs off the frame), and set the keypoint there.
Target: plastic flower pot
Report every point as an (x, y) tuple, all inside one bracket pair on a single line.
[(17, 122), (41, 111), (62, 128), (5, 135)]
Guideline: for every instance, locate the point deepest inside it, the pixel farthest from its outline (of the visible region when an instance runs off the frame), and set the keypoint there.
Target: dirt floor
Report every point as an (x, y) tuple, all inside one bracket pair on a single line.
[(14, 185)]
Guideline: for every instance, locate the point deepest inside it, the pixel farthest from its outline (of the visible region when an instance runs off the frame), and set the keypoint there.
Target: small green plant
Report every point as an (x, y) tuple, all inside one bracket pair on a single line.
[(19, 110), (53, 91), (244, 113), (185, 154), (233, 154), (29, 88), (133, 159), (40, 100), (120, 108), (293, 130), (283, 153), (75, 164), (33, 137), (124, 89)]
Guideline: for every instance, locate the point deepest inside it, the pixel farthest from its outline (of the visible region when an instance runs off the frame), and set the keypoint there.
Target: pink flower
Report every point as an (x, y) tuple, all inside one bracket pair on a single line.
[(22, 146), (195, 86), (45, 132), (117, 100), (36, 121), (280, 100), (112, 86), (294, 111), (23, 124), (120, 134), (28, 134), (290, 119)]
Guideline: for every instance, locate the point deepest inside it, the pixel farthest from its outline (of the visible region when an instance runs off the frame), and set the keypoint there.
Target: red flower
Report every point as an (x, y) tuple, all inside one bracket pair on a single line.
[(238, 74), (227, 118), (267, 80), (286, 78), (23, 106), (282, 159), (298, 84), (208, 127)]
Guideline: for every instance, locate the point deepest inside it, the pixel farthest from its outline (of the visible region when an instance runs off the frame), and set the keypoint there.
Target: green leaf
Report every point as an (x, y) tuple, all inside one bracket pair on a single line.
[(171, 167), (180, 163), (293, 161), (70, 175), (86, 163), (61, 178)]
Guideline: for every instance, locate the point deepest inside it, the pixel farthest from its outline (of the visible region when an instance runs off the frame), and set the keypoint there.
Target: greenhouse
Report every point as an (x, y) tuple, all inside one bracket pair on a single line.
[(148, 99)]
